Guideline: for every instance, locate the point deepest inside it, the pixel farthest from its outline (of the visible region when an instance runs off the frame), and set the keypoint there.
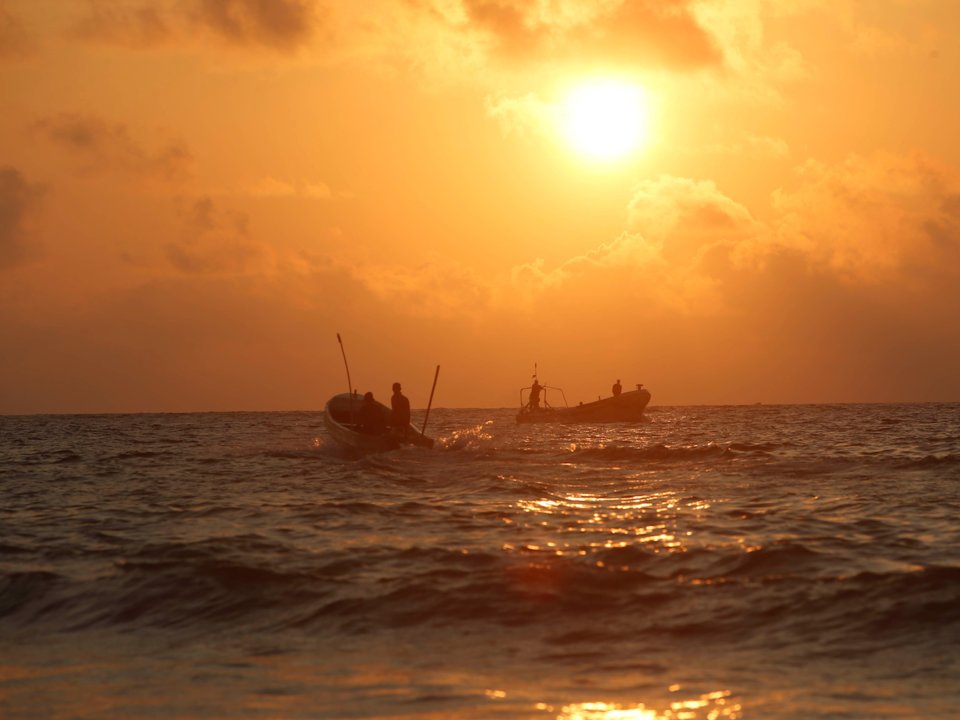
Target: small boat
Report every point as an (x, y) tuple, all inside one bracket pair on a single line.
[(339, 416), (625, 407)]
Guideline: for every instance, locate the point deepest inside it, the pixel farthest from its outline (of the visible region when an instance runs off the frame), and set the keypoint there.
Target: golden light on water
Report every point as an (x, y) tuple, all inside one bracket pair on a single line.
[(605, 711), (594, 521), (710, 706)]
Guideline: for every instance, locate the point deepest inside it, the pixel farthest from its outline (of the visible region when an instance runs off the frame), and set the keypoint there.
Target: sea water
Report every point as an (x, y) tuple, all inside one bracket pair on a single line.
[(713, 562)]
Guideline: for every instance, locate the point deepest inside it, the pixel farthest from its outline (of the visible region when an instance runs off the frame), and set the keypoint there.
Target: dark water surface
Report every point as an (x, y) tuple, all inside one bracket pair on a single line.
[(715, 562)]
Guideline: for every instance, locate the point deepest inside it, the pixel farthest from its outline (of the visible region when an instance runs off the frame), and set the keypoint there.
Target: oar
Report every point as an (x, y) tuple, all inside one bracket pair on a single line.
[(427, 415)]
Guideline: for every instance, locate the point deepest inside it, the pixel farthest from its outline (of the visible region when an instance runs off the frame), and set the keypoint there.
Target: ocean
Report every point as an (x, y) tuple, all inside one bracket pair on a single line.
[(732, 562)]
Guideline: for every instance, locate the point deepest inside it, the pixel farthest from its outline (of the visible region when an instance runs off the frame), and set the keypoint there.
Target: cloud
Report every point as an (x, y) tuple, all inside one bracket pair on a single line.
[(627, 250), (882, 220), (889, 223), (495, 41), (646, 32), (282, 25), (435, 288), (681, 234), (625, 32), (527, 114), (18, 199), (755, 67), (102, 145), (214, 241), (668, 207), (681, 239), (859, 240), (874, 219), (136, 25), (846, 293), (696, 297)]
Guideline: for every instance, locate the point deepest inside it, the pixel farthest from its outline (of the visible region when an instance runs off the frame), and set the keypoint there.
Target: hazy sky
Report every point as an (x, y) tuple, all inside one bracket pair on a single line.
[(197, 195)]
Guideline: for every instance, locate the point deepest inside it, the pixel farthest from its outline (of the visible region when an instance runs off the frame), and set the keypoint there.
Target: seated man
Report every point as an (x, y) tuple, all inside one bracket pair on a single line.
[(370, 418)]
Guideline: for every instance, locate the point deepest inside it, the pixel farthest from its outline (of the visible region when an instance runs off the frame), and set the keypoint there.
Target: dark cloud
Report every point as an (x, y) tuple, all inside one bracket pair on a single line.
[(951, 205), (657, 31), (643, 32), (201, 215), (140, 25), (507, 24), (214, 241), (101, 145), (281, 24), (17, 199)]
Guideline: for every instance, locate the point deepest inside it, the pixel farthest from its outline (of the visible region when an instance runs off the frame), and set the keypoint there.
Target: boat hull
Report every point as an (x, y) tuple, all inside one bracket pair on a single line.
[(626, 407), (338, 415)]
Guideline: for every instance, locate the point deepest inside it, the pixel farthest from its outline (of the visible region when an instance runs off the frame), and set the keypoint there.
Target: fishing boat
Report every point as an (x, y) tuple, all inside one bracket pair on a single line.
[(625, 407), (340, 419)]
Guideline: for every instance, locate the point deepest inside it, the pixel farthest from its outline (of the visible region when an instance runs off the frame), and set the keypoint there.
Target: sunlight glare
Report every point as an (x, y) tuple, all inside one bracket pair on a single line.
[(605, 120), (710, 706)]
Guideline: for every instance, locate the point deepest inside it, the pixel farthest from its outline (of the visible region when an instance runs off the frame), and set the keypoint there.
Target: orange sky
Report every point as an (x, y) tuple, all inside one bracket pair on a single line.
[(197, 195)]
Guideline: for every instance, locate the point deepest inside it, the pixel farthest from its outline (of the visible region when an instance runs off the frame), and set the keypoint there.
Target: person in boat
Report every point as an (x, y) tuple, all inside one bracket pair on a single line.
[(617, 388), (370, 418), (400, 412), (534, 402)]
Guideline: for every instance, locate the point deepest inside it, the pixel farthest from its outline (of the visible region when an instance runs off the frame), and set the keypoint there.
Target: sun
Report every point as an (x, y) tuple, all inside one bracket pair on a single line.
[(605, 120)]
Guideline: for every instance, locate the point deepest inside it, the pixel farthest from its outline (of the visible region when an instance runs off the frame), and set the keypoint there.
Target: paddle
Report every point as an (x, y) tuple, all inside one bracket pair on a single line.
[(423, 432)]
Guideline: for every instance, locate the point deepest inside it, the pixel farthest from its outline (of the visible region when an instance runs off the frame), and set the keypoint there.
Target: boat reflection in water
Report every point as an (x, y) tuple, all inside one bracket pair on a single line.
[(623, 407)]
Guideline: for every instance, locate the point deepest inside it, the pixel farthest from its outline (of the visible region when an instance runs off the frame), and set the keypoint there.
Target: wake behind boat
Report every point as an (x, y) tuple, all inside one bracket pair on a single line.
[(341, 419), (624, 407)]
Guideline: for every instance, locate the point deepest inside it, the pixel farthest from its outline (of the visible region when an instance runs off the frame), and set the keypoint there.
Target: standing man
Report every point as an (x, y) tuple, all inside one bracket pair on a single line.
[(617, 388), (535, 389), (400, 415)]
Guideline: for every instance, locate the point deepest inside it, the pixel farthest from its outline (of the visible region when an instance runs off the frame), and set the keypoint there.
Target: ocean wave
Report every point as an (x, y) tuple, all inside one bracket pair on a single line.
[(750, 541), (22, 590), (929, 462), (701, 595)]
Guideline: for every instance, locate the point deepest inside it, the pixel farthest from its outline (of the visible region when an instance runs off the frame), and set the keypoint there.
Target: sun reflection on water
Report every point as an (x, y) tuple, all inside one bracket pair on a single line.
[(594, 521), (710, 706), (605, 711)]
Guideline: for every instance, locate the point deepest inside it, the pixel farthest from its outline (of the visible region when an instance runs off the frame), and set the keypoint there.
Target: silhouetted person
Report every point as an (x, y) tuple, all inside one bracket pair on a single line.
[(535, 394), (400, 411), (370, 417), (617, 388)]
